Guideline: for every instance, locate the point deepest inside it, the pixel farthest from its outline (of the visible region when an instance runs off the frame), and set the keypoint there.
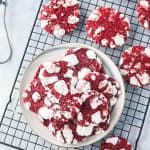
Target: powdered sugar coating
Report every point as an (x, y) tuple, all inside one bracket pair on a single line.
[(73, 19), (34, 101), (63, 134), (45, 113), (91, 54), (59, 17), (52, 67), (61, 87), (135, 65), (70, 3), (108, 27), (118, 39), (94, 16), (58, 31), (83, 72), (36, 96), (143, 12), (113, 140), (96, 117), (71, 59), (83, 86), (84, 130)]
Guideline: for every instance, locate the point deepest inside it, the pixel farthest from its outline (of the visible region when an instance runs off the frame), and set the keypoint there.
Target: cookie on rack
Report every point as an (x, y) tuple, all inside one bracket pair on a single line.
[(135, 65), (108, 27), (115, 143), (60, 17), (143, 12)]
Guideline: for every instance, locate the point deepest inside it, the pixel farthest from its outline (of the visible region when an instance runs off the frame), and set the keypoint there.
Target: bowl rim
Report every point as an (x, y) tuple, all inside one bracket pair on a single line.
[(67, 46)]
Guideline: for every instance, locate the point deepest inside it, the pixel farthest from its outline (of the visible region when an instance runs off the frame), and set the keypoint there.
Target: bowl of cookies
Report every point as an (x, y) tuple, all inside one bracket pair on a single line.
[(72, 95)]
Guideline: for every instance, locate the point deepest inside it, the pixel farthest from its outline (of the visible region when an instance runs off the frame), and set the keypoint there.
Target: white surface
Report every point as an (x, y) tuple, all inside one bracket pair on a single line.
[(3, 147), (20, 17)]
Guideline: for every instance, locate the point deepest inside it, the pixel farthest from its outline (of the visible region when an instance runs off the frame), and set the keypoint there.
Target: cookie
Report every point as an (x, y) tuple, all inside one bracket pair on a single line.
[(60, 17), (51, 72), (84, 60), (143, 12), (108, 27), (115, 143), (135, 65), (65, 132), (105, 85), (34, 95), (94, 111)]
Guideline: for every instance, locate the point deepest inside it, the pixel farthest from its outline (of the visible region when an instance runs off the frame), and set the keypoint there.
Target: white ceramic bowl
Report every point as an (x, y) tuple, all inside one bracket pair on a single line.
[(55, 53)]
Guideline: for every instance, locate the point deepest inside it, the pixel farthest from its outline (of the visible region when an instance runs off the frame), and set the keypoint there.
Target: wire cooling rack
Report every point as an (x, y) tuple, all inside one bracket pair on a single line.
[(14, 131)]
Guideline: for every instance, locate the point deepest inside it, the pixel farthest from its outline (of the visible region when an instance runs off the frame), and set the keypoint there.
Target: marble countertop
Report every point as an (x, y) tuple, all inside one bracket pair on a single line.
[(20, 18)]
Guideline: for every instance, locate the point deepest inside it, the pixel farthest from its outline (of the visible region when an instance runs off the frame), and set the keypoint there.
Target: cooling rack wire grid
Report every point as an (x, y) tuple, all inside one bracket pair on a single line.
[(14, 131)]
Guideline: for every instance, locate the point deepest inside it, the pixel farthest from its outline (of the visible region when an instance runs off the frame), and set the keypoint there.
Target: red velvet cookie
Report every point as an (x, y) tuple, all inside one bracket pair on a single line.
[(135, 65), (94, 111), (59, 17), (51, 72), (143, 12), (65, 132), (108, 27), (66, 107), (115, 143), (59, 81), (84, 60), (33, 96), (105, 85)]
